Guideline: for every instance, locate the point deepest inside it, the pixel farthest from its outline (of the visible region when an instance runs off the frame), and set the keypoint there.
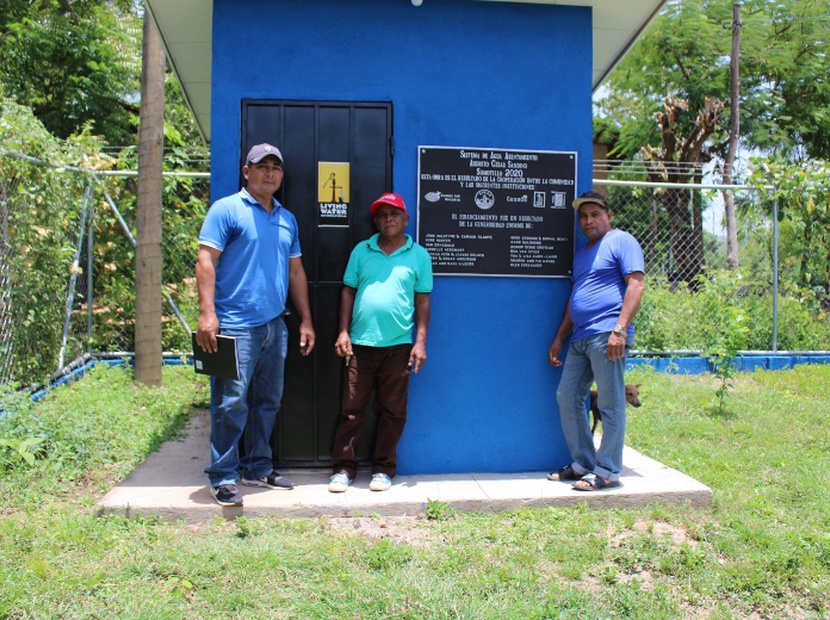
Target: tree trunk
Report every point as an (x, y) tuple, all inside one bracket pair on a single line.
[(734, 133), (148, 210), (665, 164), (697, 224), (651, 242), (686, 249)]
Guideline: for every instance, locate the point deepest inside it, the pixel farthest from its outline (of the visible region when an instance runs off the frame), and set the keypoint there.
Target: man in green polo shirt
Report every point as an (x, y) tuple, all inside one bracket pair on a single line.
[(385, 299)]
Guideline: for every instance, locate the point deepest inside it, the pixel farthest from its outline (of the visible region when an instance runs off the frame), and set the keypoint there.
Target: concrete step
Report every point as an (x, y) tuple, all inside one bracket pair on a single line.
[(171, 483)]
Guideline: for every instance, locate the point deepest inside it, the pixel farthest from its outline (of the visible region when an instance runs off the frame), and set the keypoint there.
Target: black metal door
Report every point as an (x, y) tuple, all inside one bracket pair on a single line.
[(308, 132)]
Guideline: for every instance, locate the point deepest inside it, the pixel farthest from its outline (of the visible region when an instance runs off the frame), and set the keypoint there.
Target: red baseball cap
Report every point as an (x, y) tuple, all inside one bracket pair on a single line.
[(393, 200)]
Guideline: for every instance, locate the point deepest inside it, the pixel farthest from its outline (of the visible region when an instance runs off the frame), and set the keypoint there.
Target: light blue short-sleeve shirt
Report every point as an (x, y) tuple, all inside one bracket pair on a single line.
[(252, 271), (384, 307)]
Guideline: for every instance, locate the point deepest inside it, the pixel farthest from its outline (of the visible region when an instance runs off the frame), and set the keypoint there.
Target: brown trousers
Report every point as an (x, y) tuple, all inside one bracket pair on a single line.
[(385, 369)]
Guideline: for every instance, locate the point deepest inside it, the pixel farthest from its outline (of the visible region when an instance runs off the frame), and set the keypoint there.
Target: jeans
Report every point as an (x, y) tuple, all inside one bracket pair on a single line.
[(384, 369), (585, 363), (246, 409)]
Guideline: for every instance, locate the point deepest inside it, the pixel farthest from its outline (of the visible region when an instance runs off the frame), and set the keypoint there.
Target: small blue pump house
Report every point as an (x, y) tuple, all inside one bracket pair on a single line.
[(478, 112)]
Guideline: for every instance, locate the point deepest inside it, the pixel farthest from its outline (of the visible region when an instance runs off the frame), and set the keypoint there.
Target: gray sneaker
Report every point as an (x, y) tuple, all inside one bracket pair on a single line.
[(272, 481), (339, 482), (226, 495)]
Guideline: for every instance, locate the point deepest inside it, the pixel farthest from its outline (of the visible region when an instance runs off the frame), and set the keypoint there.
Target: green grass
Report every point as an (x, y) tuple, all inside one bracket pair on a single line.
[(761, 551)]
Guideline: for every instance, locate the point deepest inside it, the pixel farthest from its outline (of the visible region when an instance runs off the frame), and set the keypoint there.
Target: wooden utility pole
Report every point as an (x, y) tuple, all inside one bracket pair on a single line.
[(148, 209), (732, 260)]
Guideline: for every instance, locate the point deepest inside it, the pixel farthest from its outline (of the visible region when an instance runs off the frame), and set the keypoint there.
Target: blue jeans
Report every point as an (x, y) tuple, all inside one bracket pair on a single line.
[(587, 362), (246, 409)]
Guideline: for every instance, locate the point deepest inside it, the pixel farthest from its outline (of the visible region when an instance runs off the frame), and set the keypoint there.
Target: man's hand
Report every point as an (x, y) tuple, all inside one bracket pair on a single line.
[(417, 357), (206, 332), (554, 351), (307, 338), (616, 347), (343, 345)]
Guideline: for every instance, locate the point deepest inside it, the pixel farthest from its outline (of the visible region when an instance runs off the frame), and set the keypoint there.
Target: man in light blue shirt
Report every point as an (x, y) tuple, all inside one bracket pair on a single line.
[(249, 262)]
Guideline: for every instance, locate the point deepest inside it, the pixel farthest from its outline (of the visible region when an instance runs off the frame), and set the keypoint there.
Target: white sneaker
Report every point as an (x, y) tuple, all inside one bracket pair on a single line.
[(380, 482), (339, 482)]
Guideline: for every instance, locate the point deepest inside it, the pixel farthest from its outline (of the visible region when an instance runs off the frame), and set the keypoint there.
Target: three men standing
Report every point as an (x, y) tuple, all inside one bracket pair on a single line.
[(249, 263)]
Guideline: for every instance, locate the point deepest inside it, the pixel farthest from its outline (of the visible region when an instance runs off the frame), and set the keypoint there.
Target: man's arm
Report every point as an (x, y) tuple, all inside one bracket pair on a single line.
[(565, 327), (634, 288), (418, 356), (343, 344), (208, 326), (298, 290)]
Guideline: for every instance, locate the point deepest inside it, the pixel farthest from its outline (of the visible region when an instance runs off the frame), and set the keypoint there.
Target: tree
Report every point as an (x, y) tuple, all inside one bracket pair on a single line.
[(787, 84), (678, 72), (148, 208), (734, 138), (670, 118), (73, 62), (785, 74), (684, 218), (69, 89), (804, 214)]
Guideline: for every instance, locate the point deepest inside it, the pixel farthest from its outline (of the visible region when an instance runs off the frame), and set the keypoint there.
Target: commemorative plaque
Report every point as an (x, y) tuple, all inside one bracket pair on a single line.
[(499, 212)]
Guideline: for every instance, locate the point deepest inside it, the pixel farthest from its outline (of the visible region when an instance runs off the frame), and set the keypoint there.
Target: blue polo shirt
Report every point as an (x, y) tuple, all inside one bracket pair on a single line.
[(384, 307), (599, 285), (252, 271)]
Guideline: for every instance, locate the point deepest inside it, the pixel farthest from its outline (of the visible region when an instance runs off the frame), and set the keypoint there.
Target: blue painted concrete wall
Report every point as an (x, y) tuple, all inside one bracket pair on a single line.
[(459, 73)]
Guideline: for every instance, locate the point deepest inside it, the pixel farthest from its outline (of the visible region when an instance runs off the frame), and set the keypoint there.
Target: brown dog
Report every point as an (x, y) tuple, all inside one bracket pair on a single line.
[(632, 397)]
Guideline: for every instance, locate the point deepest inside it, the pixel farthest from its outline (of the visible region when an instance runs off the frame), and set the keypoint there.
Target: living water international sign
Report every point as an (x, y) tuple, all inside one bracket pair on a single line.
[(498, 212)]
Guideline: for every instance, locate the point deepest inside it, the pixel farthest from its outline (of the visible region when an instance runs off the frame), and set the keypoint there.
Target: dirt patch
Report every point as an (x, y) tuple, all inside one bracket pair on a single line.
[(678, 535), (400, 530), (658, 529)]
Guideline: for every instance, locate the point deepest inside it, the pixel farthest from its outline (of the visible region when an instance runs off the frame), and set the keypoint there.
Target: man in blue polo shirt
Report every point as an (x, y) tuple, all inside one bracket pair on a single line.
[(607, 290), (249, 262), (385, 298)]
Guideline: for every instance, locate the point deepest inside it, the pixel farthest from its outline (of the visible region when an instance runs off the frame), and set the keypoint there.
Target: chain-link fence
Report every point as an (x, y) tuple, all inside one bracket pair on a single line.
[(67, 264), (708, 296)]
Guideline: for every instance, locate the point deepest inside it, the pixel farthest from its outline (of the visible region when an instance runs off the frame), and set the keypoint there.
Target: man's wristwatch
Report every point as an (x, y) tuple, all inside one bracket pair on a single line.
[(619, 330)]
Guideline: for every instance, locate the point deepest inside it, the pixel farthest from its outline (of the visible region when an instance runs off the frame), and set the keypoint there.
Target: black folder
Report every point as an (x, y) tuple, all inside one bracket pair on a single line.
[(223, 363)]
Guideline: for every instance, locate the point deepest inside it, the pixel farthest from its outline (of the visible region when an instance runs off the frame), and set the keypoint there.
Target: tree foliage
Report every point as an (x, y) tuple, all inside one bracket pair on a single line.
[(74, 62), (39, 231), (802, 191), (41, 213), (668, 100), (785, 75), (77, 64)]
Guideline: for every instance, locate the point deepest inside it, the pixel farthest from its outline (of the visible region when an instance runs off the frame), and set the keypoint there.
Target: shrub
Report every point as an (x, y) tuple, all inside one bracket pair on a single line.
[(726, 304)]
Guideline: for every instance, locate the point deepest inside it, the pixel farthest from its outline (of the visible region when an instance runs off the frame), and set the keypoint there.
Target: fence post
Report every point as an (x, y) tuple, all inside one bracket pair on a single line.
[(90, 281), (73, 276), (775, 274)]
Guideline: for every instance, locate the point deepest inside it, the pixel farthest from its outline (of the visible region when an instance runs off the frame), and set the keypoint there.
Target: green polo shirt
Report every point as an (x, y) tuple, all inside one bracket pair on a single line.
[(384, 307)]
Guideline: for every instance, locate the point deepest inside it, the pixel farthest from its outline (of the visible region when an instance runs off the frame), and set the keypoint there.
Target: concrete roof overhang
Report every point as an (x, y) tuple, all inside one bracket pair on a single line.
[(186, 28)]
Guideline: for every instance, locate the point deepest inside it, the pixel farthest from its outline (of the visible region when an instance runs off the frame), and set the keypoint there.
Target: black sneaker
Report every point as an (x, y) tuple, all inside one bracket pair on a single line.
[(226, 495), (272, 481)]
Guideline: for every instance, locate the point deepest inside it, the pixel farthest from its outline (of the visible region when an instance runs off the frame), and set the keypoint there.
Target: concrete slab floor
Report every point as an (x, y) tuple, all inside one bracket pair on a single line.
[(171, 483)]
